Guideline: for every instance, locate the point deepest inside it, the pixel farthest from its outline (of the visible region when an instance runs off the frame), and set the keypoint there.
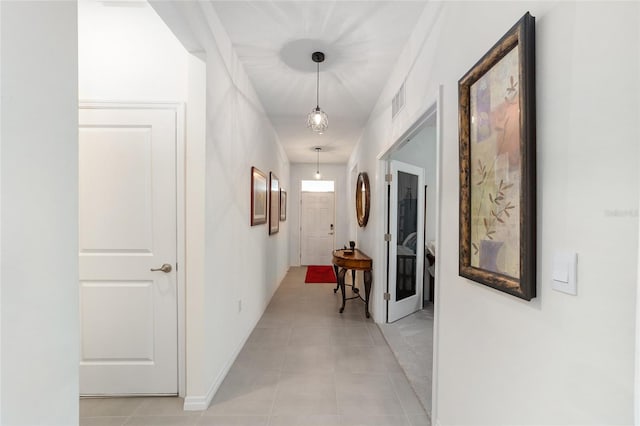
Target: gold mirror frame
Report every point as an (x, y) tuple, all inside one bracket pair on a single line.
[(363, 199)]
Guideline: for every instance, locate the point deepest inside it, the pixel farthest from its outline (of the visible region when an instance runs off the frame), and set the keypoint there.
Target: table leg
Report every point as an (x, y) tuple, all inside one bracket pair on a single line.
[(335, 269), (353, 281), (367, 290), (341, 284)]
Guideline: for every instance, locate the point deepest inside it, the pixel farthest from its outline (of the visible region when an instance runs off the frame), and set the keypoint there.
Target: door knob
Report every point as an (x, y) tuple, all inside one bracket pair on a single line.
[(166, 268)]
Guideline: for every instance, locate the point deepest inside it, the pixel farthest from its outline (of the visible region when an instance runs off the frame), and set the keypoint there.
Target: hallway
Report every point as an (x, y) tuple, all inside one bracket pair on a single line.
[(304, 364)]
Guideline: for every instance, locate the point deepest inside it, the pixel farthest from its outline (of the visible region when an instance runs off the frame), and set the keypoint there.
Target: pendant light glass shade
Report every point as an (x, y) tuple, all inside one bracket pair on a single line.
[(317, 119)]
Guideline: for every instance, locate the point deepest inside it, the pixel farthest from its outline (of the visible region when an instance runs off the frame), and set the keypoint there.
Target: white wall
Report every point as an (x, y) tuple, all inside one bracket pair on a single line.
[(558, 359), (243, 263), (195, 212), (334, 172), (637, 333), (1, 59), (126, 53), (39, 199)]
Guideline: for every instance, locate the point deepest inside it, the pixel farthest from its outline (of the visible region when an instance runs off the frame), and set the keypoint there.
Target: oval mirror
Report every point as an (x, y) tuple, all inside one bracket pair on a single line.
[(363, 199)]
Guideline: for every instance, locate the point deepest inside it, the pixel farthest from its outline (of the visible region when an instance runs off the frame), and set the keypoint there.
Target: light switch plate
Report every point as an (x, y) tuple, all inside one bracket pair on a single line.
[(564, 272)]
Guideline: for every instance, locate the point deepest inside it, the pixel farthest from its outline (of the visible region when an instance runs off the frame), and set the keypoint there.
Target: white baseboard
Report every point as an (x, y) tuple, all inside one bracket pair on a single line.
[(202, 402)]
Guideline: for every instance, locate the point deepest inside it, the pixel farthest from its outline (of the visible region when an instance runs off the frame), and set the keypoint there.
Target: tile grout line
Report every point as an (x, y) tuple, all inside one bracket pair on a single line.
[(335, 392), (280, 372), (411, 386), (395, 391)]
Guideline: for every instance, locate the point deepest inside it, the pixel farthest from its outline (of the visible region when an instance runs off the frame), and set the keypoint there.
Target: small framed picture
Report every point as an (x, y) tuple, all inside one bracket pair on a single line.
[(274, 204), (258, 197), (283, 205)]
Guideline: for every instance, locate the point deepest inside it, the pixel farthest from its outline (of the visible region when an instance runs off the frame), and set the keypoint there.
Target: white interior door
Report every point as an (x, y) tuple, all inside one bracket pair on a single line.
[(317, 219), (406, 248), (128, 313)]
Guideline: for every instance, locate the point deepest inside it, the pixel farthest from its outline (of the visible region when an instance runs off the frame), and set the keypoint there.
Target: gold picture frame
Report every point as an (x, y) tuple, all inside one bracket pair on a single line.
[(258, 197), (497, 131), (363, 199)]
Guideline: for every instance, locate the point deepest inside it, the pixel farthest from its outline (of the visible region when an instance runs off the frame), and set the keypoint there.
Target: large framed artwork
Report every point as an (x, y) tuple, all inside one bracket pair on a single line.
[(283, 205), (258, 197), (274, 204), (497, 130)]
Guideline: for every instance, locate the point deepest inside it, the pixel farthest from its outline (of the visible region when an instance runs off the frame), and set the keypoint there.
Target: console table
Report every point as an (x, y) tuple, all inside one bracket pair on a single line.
[(355, 260)]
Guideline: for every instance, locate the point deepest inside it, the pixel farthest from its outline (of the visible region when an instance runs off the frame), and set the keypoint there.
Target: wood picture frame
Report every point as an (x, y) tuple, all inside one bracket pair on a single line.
[(363, 199), (274, 204), (497, 131), (258, 197), (283, 205)]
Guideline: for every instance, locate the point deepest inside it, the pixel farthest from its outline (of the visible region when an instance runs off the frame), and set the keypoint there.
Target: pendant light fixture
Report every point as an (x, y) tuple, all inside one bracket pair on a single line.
[(318, 149), (317, 119)]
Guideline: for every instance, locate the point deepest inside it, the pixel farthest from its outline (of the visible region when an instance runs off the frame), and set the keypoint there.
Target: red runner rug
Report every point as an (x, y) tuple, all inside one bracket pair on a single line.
[(320, 274)]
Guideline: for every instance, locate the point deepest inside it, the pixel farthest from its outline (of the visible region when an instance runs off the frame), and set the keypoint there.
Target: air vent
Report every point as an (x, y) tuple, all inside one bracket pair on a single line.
[(398, 102)]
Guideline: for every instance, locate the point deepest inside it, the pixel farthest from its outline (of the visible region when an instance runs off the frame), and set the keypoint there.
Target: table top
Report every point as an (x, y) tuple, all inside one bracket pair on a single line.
[(352, 259)]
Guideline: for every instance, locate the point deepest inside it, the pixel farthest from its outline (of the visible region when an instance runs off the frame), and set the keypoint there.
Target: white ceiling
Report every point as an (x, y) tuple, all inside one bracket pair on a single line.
[(361, 41)]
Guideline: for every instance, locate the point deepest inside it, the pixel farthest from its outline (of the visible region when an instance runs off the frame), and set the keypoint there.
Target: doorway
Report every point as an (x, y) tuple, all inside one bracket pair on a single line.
[(127, 52), (317, 222), (128, 249), (411, 166), (415, 336)]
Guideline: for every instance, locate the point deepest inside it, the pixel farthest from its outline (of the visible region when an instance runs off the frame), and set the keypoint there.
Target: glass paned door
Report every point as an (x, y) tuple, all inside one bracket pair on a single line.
[(407, 213), (406, 247)]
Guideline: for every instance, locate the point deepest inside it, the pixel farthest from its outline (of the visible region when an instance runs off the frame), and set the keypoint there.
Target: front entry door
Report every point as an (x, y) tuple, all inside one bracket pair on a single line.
[(406, 248), (128, 306), (318, 228)]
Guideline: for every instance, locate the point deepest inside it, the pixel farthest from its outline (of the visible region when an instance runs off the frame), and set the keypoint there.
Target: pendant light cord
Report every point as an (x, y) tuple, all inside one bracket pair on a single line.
[(317, 84)]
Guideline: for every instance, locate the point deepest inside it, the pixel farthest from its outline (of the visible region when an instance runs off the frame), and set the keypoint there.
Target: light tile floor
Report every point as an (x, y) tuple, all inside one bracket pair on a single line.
[(411, 340), (305, 364)]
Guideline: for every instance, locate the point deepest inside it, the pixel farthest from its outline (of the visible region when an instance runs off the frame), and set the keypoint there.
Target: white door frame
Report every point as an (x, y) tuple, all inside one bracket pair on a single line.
[(335, 226), (636, 386), (434, 107), (392, 225), (179, 109), (636, 399)]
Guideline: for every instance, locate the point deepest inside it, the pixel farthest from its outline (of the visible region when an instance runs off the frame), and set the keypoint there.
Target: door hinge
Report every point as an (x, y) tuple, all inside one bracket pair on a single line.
[(386, 296), (176, 266), (388, 178), (387, 237)]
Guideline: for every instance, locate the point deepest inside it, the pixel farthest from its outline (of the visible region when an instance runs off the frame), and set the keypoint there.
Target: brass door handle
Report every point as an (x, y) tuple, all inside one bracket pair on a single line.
[(166, 268)]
